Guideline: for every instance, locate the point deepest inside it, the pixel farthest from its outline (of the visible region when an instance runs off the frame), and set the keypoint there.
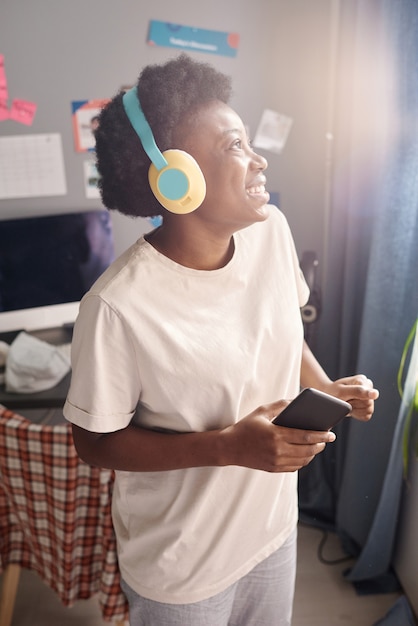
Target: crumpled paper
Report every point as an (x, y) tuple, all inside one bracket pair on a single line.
[(34, 365)]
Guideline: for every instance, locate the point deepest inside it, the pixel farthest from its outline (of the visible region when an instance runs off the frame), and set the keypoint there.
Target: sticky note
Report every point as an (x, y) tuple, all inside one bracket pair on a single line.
[(4, 111), (3, 81), (22, 111)]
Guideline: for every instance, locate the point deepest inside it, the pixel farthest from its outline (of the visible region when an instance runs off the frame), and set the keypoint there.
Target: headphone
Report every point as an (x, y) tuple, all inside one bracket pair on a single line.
[(175, 178)]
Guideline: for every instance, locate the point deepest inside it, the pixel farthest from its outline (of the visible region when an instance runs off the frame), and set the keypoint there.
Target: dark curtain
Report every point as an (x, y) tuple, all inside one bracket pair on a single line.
[(370, 294)]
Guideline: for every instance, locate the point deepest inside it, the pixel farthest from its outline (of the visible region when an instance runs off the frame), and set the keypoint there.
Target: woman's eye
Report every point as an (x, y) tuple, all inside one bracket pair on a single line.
[(237, 144)]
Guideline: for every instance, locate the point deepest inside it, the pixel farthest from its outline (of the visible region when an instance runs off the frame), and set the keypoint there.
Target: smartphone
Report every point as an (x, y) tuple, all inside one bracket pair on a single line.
[(313, 410)]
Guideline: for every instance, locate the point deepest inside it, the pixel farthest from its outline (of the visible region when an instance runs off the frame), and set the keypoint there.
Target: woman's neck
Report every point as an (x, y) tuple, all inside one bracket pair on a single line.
[(200, 251)]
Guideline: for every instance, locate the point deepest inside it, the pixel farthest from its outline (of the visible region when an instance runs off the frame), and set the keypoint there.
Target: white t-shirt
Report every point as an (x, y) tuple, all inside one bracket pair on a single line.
[(189, 350)]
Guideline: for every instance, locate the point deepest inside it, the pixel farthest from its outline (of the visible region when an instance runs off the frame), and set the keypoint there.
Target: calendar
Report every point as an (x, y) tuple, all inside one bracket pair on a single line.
[(32, 166)]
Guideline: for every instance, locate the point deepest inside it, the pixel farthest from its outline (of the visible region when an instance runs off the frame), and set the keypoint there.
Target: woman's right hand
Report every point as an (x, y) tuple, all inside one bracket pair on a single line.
[(252, 442), (257, 443)]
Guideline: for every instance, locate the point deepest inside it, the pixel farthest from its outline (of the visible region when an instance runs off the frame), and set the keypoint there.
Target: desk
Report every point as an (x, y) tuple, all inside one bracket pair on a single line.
[(55, 518), (50, 398)]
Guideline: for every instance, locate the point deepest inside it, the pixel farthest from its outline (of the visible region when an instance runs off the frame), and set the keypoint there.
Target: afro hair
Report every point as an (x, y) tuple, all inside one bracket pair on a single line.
[(168, 94)]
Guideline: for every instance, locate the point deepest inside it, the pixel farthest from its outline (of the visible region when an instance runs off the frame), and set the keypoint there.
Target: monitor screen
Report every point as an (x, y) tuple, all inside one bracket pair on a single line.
[(54, 259)]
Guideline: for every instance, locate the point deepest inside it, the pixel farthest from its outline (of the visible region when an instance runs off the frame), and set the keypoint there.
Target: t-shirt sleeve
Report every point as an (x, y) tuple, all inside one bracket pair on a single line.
[(105, 384)]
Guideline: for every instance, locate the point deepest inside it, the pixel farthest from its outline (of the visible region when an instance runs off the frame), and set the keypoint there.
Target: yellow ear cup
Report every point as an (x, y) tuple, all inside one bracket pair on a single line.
[(180, 186)]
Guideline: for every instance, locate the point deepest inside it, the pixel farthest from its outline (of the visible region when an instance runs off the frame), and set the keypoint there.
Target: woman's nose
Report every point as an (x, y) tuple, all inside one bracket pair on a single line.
[(259, 161)]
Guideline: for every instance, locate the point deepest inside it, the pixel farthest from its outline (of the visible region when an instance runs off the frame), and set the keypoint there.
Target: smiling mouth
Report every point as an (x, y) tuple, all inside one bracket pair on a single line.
[(256, 190)]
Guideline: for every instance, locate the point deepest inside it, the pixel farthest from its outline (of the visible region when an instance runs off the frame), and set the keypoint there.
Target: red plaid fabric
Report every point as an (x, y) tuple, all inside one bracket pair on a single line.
[(55, 514)]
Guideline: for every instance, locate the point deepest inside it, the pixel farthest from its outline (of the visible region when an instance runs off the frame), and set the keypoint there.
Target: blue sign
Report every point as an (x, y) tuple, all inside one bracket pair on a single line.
[(193, 39)]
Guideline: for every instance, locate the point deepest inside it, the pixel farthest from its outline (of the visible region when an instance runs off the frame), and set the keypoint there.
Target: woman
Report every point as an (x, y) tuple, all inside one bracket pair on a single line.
[(184, 351)]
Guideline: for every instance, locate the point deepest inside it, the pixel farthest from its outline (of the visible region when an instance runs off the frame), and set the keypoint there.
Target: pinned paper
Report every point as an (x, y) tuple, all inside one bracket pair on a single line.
[(85, 116), (273, 131), (91, 180), (3, 81), (31, 166), (4, 111), (196, 39), (156, 221), (22, 111)]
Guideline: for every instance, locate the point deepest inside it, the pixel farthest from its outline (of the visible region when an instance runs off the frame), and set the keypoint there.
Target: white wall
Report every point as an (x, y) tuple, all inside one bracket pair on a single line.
[(57, 52)]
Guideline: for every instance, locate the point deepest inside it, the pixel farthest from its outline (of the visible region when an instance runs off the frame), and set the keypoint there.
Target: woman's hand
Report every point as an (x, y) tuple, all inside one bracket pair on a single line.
[(359, 392), (257, 443), (251, 442)]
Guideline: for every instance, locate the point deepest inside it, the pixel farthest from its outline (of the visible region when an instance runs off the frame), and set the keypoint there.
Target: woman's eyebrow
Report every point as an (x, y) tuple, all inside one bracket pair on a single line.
[(231, 131)]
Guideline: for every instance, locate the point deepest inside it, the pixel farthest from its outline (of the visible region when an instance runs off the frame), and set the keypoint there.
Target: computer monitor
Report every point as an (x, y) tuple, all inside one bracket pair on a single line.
[(47, 264)]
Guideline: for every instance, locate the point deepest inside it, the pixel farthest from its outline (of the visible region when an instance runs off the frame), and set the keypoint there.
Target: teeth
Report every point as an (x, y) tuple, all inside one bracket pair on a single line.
[(257, 189)]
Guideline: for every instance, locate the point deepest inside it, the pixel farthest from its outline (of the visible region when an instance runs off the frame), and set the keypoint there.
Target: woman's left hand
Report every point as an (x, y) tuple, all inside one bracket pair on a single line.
[(358, 390)]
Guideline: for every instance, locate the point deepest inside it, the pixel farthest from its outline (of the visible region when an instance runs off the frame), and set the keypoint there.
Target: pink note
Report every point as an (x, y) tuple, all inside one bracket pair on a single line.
[(3, 81), (22, 111), (4, 111)]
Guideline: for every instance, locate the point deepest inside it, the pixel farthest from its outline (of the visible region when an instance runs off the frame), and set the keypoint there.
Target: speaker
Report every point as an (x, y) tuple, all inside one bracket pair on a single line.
[(175, 177)]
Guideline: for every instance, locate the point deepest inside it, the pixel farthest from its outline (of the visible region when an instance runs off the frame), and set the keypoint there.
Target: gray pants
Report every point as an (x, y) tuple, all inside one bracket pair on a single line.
[(264, 597)]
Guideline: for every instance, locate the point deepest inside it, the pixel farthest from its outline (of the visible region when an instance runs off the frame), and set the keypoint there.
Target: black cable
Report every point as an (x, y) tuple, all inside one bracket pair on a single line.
[(325, 561)]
